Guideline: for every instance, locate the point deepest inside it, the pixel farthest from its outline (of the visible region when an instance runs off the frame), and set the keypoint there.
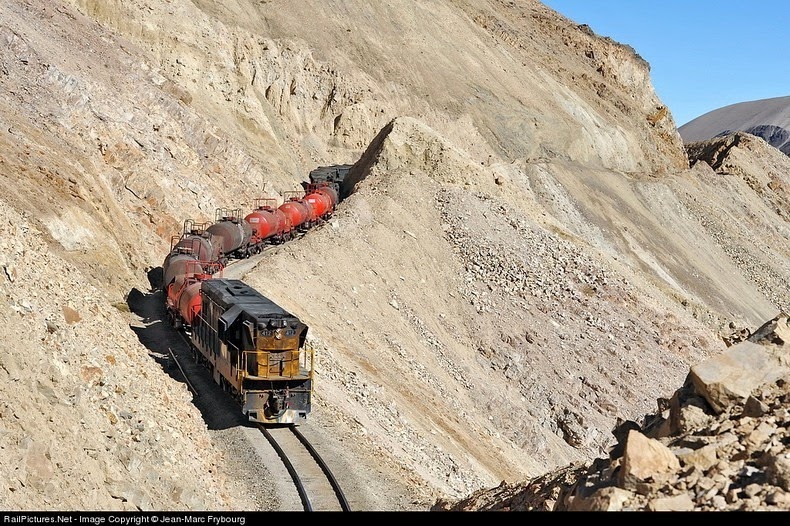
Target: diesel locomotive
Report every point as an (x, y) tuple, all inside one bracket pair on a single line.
[(255, 351)]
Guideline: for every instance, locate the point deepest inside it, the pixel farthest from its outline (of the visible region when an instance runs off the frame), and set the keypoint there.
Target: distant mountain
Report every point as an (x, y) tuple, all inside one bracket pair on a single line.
[(767, 118)]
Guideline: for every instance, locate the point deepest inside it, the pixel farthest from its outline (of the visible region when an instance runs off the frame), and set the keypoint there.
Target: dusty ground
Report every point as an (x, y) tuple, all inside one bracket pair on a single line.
[(525, 258)]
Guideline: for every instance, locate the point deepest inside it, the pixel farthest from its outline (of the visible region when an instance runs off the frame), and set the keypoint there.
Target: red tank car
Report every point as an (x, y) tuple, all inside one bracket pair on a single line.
[(331, 194), (299, 212), (286, 232), (183, 294), (267, 223), (320, 202), (323, 198), (195, 244), (183, 300), (327, 189), (175, 265), (231, 234)]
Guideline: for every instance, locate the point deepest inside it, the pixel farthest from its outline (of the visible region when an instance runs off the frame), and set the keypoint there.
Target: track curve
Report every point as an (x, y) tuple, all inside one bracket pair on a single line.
[(317, 487)]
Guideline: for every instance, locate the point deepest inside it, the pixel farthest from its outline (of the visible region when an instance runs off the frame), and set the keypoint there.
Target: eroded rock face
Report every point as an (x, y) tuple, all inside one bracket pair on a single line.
[(85, 424), (763, 168)]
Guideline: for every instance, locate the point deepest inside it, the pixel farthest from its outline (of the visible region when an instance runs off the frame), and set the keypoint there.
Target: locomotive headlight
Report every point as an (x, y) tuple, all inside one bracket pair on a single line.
[(278, 334)]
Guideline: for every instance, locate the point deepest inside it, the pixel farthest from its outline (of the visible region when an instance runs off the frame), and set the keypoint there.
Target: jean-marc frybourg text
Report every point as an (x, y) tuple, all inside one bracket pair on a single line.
[(105, 519)]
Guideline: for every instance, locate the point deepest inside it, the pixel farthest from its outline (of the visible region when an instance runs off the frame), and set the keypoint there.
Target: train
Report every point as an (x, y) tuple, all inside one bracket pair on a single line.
[(254, 349)]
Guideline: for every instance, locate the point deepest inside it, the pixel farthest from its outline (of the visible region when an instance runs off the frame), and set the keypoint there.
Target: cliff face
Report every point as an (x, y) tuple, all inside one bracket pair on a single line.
[(525, 256)]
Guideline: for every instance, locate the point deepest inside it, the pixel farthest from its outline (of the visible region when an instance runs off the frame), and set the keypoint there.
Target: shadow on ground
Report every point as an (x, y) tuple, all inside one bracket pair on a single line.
[(171, 350)]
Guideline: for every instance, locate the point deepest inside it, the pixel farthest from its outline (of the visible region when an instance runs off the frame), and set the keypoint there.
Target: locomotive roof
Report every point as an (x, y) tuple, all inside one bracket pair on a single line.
[(230, 292)]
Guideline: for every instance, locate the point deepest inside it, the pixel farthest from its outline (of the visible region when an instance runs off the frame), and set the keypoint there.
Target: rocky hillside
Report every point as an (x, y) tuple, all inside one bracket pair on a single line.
[(719, 444), (525, 257)]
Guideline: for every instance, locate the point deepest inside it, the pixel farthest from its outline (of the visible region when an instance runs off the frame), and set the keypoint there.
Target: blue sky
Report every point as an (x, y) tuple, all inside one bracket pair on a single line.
[(703, 54)]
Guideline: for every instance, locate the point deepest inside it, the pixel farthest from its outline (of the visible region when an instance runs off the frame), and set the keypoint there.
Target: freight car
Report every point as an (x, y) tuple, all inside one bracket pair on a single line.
[(332, 175), (268, 224), (232, 236), (194, 244), (255, 351)]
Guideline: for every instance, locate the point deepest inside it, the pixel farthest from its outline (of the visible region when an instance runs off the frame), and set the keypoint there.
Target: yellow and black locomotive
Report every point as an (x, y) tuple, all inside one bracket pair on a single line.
[(255, 350)]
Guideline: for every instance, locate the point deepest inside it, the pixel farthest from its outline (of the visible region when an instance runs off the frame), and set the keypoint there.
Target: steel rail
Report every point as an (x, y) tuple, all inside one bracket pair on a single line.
[(290, 467), (324, 467), (186, 378)]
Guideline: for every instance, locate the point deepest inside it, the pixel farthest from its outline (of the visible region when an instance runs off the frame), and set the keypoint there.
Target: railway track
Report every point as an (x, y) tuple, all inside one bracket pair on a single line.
[(317, 487)]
